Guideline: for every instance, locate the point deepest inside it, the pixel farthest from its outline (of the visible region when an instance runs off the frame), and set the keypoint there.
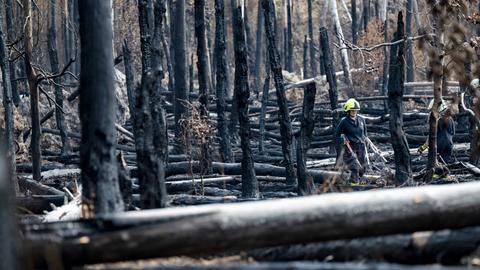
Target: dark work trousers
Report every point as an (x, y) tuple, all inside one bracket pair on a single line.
[(357, 169)]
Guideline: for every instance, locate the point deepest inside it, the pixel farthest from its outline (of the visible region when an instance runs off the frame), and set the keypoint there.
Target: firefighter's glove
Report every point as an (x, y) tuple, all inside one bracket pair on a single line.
[(422, 148)]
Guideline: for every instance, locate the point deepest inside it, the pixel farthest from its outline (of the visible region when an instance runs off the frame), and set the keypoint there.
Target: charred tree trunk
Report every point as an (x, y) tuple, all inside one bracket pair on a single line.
[(52, 52), (203, 78), (150, 125), (8, 6), (258, 50), (409, 45), (129, 78), (283, 114), (179, 68), (385, 63), (313, 57), (263, 111), (289, 37), (331, 76), (190, 75), (366, 14), (305, 180), (221, 83), (33, 88), (354, 22), (8, 103), (242, 94), (305, 58), (101, 192), (403, 170)]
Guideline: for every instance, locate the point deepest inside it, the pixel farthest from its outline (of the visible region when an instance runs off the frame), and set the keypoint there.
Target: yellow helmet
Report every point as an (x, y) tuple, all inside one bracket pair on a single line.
[(475, 83), (351, 105)]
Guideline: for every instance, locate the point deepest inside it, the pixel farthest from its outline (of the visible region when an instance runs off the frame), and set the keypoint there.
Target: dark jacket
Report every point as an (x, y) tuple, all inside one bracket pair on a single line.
[(445, 131), (355, 130)]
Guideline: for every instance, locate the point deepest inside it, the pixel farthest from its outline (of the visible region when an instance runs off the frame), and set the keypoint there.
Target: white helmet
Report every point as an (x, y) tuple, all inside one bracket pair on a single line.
[(475, 83), (441, 109)]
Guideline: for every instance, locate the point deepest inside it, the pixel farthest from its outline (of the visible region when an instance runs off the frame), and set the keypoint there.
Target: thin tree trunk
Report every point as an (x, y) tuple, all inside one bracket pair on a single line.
[(263, 110), (305, 180), (313, 57), (11, 37), (305, 58), (33, 88), (283, 114), (290, 62), (403, 170), (343, 53), (53, 55), (101, 192), (409, 44), (385, 64), (331, 76), (258, 50), (383, 10), (221, 84), (8, 103), (146, 30), (354, 22), (242, 94), (190, 75), (366, 14), (179, 65), (203, 78)]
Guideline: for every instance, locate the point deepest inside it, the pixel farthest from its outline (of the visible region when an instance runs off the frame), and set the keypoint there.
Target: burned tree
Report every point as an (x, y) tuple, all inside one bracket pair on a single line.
[(305, 180), (101, 193), (178, 42), (403, 170), (221, 84), (8, 247), (8, 103), (203, 78), (150, 125), (8, 7), (53, 55), (289, 37), (409, 46), (313, 58), (283, 115), (354, 27), (242, 94)]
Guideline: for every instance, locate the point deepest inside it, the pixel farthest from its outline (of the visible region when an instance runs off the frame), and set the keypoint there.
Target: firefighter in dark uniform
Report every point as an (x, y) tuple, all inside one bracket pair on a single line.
[(352, 131)]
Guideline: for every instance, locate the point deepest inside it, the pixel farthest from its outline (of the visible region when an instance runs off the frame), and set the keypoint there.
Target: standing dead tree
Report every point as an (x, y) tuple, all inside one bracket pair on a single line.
[(403, 170), (305, 180), (221, 84), (53, 54), (8, 6), (313, 58), (101, 192), (151, 141), (7, 103), (283, 114), (242, 94), (203, 79)]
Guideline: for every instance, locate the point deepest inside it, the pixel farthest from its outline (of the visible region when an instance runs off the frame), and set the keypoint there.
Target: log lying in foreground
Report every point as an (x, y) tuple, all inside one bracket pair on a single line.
[(235, 169), (290, 266), (445, 247), (218, 228), (36, 204)]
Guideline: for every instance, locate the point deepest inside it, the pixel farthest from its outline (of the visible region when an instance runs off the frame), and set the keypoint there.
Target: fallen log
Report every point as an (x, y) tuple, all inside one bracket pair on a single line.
[(37, 204), (445, 247), (211, 228), (38, 188)]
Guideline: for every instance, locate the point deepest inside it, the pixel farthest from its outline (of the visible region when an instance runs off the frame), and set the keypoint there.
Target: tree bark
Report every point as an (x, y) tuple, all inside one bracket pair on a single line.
[(8, 7), (283, 113), (35, 146), (101, 193), (179, 68), (211, 228), (8, 103), (313, 57), (305, 58), (203, 78), (385, 63), (354, 22), (263, 112), (53, 55), (409, 45), (403, 170), (305, 180), (366, 14), (242, 94), (343, 52), (331, 76), (258, 50), (221, 81), (290, 62)]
